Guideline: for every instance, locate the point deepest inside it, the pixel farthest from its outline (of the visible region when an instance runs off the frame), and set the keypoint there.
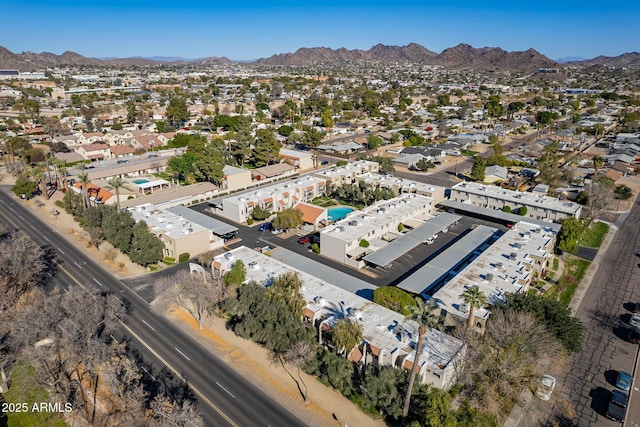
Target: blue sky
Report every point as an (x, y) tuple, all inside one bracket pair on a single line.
[(255, 29)]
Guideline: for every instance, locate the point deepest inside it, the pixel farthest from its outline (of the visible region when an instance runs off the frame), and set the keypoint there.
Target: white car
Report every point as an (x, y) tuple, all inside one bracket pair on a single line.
[(545, 389), (277, 231), (635, 321)]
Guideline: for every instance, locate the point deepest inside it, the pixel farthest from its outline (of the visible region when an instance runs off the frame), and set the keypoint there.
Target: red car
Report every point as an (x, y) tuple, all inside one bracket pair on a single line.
[(304, 239)]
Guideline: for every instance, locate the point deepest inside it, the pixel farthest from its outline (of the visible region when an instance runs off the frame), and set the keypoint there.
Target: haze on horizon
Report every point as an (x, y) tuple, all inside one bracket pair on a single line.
[(246, 30)]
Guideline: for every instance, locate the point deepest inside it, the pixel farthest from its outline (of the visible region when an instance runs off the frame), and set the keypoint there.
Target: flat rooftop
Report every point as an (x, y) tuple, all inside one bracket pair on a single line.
[(158, 220), (359, 223), (518, 197), (382, 328), (497, 214), (422, 280), (218, 227), (498, 271)]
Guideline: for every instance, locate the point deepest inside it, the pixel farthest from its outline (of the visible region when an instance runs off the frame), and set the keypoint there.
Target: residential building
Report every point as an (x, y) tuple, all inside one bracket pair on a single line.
[(362, 232), (235, 178), (388, 339), (347, 174), (509, 266), (299, 159), (273, 198), (178, 234), (538, 207)]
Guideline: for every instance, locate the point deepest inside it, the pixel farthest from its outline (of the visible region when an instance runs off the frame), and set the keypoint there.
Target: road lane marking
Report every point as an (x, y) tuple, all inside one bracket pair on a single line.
[(148, 373), (45, 238), (77, 265), (222, 387), (95, 280), (181, 353), (32, 227), (150, 327), (179, 375), (61, 251)]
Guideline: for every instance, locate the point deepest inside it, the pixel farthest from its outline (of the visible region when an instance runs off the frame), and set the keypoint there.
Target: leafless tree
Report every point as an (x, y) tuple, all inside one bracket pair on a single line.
[(506, 358), (165, 412), (299, 355), (195, 292), (23, 265), (600, 196)]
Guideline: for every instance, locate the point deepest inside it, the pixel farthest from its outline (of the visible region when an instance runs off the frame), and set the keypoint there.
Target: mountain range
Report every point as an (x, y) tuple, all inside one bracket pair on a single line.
[(462, 56)]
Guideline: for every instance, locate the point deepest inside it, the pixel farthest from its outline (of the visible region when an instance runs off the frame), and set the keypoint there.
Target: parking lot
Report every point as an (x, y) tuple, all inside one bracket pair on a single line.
[(402, 267)]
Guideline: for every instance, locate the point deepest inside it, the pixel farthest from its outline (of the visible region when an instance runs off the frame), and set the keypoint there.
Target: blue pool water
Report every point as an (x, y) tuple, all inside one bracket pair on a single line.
[(336, 214), (140, 181)]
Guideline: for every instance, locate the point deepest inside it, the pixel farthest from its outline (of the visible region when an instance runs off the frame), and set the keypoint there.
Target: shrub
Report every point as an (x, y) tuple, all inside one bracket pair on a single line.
[(315, 248), (506, 209), (400, 227), (169, 260), (364, 243), (249, 221), (184, 257), (522, 210), (342, 163)]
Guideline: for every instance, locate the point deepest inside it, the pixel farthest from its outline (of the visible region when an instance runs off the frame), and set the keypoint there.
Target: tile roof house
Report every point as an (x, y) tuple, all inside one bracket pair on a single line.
[(95, 151)]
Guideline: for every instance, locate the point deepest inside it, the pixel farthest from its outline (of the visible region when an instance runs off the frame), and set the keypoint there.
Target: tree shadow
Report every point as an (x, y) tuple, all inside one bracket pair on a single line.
[(630, 306), (621, 332)]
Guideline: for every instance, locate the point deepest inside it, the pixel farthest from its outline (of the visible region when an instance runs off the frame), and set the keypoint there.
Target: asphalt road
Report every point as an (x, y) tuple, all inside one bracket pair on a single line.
[(589, 376), (224, 397)]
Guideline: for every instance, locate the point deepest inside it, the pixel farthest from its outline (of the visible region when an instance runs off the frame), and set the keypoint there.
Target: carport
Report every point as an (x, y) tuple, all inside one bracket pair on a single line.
[(400, 246)]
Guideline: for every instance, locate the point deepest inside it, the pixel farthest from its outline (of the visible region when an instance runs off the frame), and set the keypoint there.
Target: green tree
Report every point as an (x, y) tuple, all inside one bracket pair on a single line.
[(259, 213), (132, 111), (182, 166), (83, 179), (288, 218), (145, 248), (623, 192), (506, 209), (477, 170), (394, 299), (568, 330), (327, 119), (345, 335), (118, 227), (236, 276), (383, 390), (209, 164), (373, 142), (423, 165), (386, 164), (177, 112), (424, 315), (598, 162), (312, 137), (24, 186), (267, 148), (287, 288), (570, 233), (522, 211), (475, 299)]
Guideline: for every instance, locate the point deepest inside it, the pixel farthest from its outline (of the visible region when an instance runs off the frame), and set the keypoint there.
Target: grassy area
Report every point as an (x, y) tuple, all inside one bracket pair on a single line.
[(24, 390), (323, 201), (468, 152), (574, 271), (556, 264), (594, 235)]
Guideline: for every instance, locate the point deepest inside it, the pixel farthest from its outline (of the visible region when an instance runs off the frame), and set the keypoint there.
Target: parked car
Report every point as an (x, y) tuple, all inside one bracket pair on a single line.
[(324, 162), (265, 226), (635, 321), (633, 336), (545, 389), (305, 239), (636, 307), (617, 408), (623, 381), (277, 231)]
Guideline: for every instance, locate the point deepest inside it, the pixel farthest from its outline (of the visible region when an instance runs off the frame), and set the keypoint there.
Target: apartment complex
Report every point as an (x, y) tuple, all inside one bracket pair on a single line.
[(362, 232), (388, 339), (492, 197), (273, 198), (510, 265)]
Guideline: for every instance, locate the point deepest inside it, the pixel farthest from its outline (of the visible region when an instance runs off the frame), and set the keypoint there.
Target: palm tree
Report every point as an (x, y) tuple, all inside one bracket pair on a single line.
[(475, 298), (598, 162), (346, 334), (117, 183), (83, 178), (426, 317)]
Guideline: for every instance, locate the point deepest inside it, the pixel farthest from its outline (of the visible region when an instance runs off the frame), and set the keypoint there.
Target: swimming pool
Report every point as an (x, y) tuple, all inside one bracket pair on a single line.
[(338, 213), (140, 181)]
